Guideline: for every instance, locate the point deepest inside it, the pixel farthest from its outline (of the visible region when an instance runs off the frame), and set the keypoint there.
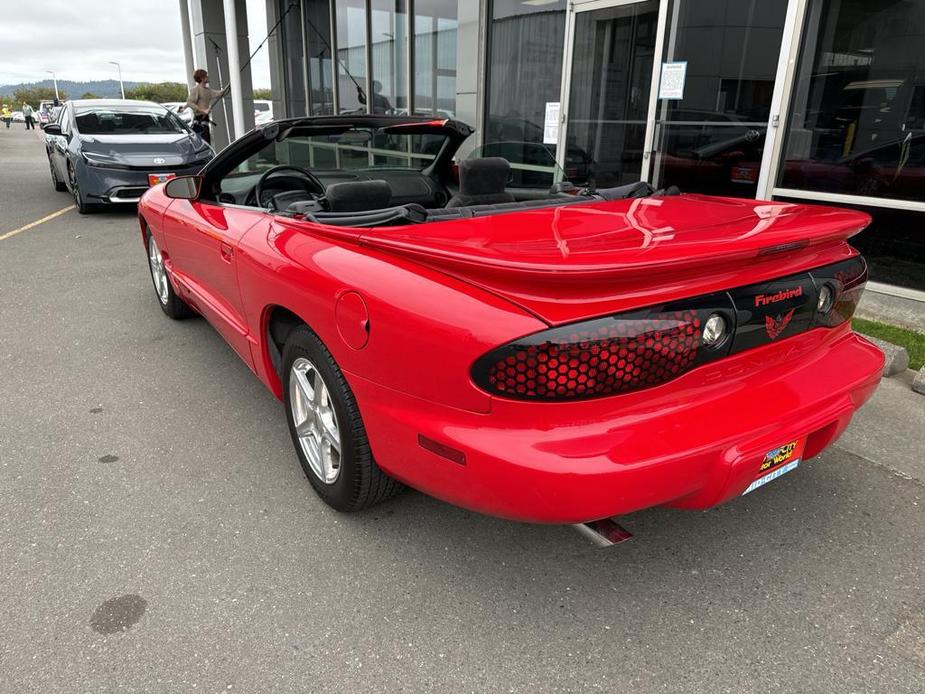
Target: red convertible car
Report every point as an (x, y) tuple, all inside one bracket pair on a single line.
[(559, 359)]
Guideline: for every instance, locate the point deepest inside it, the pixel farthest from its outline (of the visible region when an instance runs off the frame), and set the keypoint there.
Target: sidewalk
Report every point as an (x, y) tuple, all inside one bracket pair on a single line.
[(894, 305)]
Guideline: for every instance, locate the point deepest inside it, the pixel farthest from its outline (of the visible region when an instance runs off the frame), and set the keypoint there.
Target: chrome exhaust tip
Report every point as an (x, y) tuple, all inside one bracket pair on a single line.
[(604, 533)]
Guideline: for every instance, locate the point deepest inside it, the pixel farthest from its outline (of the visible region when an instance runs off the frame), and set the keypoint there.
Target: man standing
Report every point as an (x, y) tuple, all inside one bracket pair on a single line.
[(201, 98), (29, 115), (6, 114)]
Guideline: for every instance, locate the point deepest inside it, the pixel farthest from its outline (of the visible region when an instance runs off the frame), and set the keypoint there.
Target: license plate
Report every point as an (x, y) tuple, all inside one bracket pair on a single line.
[(154, 179), (778, 462)]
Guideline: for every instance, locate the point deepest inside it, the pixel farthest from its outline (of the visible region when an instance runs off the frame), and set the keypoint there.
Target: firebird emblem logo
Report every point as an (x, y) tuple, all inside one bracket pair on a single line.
[(775, 326)]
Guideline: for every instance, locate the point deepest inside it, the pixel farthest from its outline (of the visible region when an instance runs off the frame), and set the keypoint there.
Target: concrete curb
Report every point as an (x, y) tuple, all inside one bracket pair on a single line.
[(897, 358), (918, 385)]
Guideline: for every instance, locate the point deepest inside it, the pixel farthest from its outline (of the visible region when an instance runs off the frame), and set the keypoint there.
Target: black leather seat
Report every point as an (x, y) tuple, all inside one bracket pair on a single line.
[(358, 196), (482, 182)]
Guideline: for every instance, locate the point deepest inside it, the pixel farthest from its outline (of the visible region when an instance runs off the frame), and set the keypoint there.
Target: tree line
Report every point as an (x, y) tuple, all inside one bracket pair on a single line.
[(159, 92)]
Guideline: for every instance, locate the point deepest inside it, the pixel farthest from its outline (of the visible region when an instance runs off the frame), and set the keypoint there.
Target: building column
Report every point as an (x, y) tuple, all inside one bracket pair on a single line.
[(469, 45), (210, 42), (187, 42), (234, 65)]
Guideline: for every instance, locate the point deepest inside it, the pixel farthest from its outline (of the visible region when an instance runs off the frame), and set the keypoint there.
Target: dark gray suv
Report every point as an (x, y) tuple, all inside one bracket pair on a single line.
[(107, 151)]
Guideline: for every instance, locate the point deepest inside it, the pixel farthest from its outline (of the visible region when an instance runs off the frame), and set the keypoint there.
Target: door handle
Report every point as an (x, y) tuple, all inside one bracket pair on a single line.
[(227, 252)]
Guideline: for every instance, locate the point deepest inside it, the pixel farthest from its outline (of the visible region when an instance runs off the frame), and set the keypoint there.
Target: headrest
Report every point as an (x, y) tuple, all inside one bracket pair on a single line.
[(358, 196), (485, 176)]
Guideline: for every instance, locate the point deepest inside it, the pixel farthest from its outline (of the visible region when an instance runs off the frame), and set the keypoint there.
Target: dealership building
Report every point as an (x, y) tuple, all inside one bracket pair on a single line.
[(819, 101)]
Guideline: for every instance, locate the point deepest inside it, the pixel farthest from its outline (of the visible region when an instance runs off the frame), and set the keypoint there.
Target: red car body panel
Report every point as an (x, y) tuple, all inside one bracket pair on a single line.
[(435, 297)]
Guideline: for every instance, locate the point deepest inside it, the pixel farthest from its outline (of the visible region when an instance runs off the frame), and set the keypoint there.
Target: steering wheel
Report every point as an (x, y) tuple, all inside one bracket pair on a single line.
[(261, 182)]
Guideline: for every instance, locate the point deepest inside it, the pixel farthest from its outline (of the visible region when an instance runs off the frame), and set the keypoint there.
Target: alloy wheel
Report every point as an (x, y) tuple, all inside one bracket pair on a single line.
[(315, 420), (75, 191), (158, 273)]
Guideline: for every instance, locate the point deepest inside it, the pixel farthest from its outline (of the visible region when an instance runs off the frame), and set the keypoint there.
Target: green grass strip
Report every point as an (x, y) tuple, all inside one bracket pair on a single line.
[(913, 342)]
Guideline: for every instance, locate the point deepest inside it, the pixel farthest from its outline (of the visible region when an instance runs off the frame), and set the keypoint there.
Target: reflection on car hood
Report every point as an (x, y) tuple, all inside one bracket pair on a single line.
[(141, 150)]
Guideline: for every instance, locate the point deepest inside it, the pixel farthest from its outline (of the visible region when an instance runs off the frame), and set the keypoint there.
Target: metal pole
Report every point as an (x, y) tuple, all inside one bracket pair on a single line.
[(54, 78), (221, 85), (119, 67), (234, 66), (187, 41)]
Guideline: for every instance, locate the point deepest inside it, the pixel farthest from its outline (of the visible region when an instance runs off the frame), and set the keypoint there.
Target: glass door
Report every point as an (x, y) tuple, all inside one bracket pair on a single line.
[(710, 134), (610, 56)]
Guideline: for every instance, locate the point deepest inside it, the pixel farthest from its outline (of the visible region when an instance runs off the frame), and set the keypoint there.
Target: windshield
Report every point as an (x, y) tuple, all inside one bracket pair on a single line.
[(347, 149), (127, 120)]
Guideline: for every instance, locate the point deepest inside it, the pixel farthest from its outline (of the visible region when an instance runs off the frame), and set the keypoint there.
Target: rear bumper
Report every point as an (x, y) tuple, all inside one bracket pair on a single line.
[(692, 443)]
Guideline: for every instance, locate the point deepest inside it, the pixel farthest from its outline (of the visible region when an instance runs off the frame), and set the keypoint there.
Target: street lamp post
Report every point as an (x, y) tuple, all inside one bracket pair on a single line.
[(54, 78), (121, 87)]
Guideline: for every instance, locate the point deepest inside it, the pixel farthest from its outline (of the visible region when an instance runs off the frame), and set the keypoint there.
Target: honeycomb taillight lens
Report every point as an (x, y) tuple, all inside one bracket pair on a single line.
[(607, 356)]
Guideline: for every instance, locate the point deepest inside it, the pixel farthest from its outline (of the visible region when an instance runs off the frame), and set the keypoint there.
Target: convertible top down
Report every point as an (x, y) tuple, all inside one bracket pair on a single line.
[(548, 357)]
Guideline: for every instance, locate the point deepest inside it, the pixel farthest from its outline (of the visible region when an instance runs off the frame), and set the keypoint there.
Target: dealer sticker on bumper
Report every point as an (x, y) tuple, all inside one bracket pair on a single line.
[(778, 462)]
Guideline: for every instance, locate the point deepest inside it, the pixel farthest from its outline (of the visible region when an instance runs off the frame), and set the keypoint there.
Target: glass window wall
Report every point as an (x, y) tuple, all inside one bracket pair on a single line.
[(389, 41), (435, 31), (524, 73), (712, 140), (350, 21), (857, 117)]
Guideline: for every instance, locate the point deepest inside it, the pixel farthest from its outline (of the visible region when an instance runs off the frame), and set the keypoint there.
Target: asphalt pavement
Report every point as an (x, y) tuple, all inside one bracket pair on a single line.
[(158, 535)]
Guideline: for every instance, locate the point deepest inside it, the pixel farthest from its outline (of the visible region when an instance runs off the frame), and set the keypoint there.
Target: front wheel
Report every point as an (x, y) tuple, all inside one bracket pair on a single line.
[(327, 429), (170, 303), (80, 202)]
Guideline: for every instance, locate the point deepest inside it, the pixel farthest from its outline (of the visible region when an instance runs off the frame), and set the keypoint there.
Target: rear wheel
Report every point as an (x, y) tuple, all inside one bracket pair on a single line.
[(170, 303), (60, 186), (327, 429)]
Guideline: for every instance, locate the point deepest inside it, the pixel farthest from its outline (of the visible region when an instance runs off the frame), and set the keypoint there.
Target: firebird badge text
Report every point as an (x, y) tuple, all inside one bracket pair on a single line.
[(775, 326), (783, 295)]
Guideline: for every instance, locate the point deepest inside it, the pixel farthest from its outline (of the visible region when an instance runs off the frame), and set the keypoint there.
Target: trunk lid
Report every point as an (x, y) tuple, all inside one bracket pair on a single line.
[(578, 261)]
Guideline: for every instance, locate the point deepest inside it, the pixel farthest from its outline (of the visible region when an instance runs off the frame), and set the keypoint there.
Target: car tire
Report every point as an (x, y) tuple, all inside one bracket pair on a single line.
[(350, 480), (83, 207), (60, 186), (170, 303)]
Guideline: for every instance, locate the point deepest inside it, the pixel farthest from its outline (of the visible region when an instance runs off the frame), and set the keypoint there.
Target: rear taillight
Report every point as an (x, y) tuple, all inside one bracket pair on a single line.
[(631, 351), (606, 356), (845, 283)]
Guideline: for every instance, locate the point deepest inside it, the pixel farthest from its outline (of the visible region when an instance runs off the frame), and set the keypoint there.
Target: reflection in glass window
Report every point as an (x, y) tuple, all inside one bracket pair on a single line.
[(351, 53), (318, 38), (524, 73), (435, 30), (389, 48), (857, 121), (348, 149), (712, 140), (610, 87)]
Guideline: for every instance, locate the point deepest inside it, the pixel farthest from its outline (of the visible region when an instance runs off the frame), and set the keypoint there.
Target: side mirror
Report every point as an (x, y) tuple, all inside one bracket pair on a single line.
[(183, 188), (52, 129)]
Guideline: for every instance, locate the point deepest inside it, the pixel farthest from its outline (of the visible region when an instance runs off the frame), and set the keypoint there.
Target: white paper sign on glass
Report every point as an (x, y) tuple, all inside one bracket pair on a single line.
[(551, 125), (674, 76)]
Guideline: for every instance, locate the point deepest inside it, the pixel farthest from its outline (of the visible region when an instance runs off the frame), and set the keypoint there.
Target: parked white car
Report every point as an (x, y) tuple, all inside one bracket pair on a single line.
[(263, 111)]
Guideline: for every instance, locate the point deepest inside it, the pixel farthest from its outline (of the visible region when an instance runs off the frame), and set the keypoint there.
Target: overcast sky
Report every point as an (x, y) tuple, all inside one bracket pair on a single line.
[(77, 38)]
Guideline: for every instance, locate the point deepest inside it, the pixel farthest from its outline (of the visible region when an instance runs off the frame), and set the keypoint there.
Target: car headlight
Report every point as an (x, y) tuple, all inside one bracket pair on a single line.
[(98, 159)]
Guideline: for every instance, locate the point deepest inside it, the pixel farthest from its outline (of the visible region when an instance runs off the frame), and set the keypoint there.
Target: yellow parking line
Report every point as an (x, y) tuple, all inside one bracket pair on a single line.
[(30, 225)]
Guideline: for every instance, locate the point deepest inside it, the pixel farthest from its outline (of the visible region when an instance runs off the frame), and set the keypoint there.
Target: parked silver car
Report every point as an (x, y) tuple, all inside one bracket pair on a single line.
[(112, 150)]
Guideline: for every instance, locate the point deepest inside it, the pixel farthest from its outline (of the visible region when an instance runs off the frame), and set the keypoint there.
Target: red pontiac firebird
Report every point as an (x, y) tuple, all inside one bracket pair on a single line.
[(558, 359)]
